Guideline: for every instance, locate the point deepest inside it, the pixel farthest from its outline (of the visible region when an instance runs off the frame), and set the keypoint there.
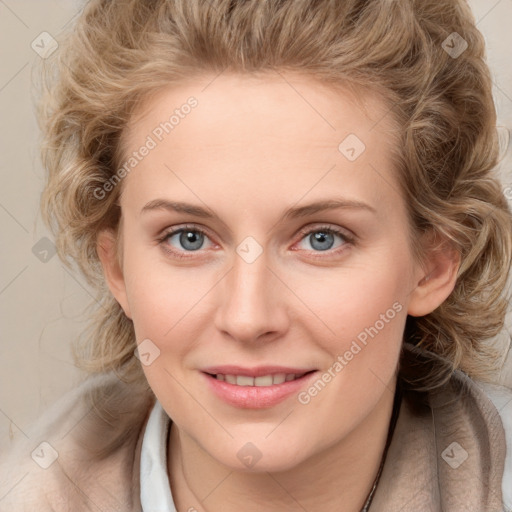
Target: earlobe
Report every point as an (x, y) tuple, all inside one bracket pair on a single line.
[(106, 247), (436, 282)]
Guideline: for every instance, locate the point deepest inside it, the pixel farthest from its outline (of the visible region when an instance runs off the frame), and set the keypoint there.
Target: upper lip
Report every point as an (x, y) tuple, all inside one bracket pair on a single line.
[(257, 371)]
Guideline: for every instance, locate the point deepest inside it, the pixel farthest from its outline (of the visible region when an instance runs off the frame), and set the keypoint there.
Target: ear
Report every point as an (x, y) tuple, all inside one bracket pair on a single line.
[(106, 247), (436, 277)]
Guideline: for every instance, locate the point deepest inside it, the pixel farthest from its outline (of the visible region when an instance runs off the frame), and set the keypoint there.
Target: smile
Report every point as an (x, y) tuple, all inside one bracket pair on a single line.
[(265, 388), (262, 381)]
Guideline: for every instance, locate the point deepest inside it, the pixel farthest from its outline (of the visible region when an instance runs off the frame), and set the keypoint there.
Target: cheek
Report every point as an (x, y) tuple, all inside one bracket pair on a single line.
[(163, 298), (363, 310), (367, 318), (352, 299)]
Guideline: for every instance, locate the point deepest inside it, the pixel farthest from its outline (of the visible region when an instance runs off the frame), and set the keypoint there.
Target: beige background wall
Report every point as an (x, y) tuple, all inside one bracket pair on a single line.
[(41, 304)]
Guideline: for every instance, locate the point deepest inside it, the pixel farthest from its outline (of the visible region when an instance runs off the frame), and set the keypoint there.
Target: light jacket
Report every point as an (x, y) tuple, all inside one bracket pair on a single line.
[(449, 451)]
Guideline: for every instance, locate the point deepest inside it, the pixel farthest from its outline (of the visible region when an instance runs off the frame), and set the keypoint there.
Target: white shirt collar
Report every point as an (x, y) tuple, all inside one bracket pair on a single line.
[(155, 490)]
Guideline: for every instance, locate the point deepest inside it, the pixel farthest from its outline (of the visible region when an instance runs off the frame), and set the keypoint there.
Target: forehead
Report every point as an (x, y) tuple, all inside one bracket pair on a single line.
[(246, 130), (292, 106)]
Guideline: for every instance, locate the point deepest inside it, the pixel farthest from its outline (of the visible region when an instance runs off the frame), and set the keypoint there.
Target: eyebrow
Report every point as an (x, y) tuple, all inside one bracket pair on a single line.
[(292, 213)]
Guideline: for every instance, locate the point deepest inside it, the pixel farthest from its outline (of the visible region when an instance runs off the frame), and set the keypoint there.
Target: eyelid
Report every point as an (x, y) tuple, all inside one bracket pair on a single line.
[(183, 227), (348, 235)]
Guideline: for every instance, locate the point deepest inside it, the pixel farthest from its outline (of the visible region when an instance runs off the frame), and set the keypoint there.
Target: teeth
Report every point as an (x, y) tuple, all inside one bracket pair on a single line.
[(242, 380), (264, 380), (230, 379), (279, 378)]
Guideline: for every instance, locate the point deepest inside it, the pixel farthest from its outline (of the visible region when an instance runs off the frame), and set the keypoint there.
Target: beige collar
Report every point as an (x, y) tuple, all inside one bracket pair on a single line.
[(447, 453)]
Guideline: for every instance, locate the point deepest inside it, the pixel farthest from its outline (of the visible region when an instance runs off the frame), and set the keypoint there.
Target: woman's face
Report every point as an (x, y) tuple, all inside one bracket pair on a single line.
[(264, 237)]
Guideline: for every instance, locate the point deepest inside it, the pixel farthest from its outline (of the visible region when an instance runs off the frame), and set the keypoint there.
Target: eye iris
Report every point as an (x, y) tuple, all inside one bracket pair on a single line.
[(321, 236), (193, 237)]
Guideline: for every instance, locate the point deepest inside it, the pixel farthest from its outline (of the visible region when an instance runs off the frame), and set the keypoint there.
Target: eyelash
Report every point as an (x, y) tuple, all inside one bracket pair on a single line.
[(348, 239)]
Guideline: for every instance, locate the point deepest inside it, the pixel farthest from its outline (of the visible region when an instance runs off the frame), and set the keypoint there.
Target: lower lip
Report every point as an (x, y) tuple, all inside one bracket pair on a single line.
[(256, 397)]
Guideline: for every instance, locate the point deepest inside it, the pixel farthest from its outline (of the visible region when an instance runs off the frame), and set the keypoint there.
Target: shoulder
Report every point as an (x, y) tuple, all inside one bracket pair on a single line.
[(80, 452), (473, 422), (449, 448), (501, 397)]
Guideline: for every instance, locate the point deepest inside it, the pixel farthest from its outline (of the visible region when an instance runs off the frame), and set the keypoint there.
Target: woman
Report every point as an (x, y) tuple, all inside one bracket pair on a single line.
[(300, 249)]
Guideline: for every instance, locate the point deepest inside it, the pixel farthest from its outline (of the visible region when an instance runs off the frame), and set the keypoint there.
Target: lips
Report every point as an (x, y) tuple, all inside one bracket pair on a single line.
[(256, 388)]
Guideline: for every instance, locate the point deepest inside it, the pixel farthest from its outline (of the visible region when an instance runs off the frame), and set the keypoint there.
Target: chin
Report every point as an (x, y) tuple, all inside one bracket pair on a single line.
[(254, 457)]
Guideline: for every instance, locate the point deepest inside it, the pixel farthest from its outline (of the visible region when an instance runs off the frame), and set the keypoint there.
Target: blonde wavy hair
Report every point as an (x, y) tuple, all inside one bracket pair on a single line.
[(120, 52)]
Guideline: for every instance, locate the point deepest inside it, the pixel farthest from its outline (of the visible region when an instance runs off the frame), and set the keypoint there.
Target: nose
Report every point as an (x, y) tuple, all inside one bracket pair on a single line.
[(251, 302)]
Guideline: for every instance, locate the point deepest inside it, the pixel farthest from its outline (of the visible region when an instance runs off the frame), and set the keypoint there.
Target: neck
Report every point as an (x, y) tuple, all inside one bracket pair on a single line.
[(338, 478)]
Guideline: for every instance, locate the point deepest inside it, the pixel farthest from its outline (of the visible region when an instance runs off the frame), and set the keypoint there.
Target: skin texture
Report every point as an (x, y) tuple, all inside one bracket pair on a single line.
[(252, 148)]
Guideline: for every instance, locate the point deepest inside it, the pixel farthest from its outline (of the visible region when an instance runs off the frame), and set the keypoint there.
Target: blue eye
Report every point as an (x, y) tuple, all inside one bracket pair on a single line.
[(189, 239), (323, 238)]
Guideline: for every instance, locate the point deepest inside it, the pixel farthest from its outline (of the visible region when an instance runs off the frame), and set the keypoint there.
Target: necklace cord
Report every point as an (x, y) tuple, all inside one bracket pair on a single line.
[(394, 416)]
